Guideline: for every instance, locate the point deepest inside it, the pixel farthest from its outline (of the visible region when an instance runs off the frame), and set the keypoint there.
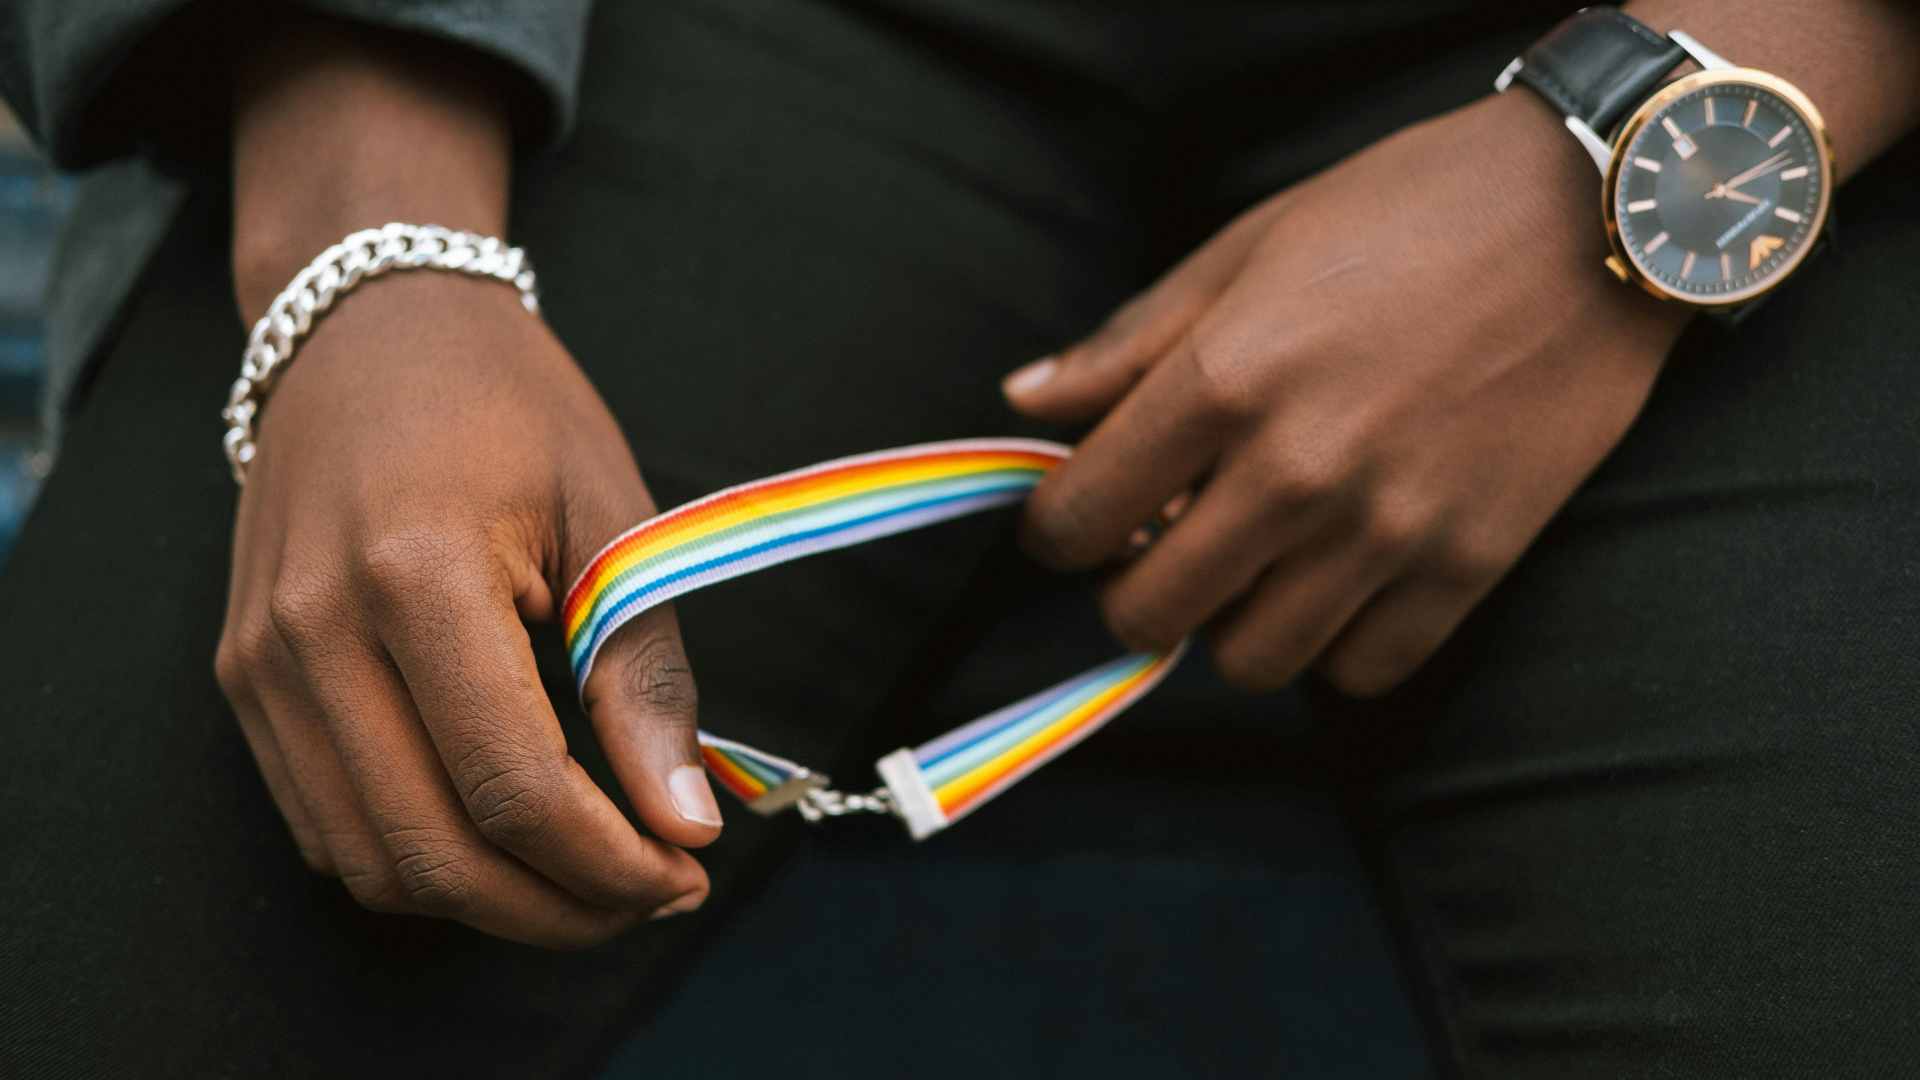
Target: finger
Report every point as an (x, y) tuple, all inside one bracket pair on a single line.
[(1295, 609), (451, 627), (272, 764), (641, 695), (1153, 446), (445, 866), (644, 707), (317, 775), (1396, 632), (248, 646), (1211, 553), (1085, 380)]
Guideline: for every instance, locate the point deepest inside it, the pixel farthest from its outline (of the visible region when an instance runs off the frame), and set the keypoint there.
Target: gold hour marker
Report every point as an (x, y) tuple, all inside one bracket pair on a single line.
[(1681, 144), (1653, 245), (1647, 163), (1642, 206), (1726, 266), (1785, 214), (1780, 136), (1762, 247), (1686, 265), (1752, 106), (1794, 173), (1709, 112)]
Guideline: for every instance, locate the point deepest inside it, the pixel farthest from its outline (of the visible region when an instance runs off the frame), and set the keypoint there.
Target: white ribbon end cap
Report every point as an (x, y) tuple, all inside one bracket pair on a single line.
[(912, 798)]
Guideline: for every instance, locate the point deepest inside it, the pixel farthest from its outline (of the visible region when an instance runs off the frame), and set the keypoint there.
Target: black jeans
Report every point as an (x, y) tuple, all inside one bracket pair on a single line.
[(1647, 814)]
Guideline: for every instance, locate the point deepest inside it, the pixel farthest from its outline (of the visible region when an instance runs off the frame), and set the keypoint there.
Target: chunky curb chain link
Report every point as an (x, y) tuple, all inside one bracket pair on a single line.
[(368, 253)]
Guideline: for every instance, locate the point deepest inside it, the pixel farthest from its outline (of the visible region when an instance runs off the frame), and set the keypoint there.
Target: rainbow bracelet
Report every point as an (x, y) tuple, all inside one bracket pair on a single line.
[(834, 505)]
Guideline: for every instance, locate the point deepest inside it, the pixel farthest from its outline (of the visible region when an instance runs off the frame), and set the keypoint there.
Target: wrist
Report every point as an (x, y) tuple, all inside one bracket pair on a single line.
[(337, 129), (1547, 180), (273, 248), (1549, 185)]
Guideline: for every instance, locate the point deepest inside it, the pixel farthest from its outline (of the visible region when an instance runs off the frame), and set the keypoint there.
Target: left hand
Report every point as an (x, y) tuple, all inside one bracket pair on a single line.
[(1377, 386)]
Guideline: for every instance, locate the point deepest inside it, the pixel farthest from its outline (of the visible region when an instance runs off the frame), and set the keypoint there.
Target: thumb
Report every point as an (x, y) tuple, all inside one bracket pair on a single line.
[(641, 696)]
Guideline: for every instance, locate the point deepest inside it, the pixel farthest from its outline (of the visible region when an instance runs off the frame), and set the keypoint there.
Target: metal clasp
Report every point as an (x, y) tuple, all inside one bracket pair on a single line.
[(819, 803)]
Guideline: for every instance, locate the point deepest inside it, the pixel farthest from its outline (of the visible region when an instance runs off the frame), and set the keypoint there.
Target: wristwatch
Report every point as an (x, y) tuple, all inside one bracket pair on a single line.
[(1716, 185)]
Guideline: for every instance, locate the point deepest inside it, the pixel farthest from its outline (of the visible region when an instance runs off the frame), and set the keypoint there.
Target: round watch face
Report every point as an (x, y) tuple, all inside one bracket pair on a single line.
[(1719, 186)]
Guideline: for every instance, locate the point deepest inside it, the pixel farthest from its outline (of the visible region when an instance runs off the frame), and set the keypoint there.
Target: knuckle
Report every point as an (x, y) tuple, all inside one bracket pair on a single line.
[(433, 870), (402, 563), (1137, 626), (238, 656), (1303, 479), (1391, 527), (510, 800), (299, 611), (656, 675), (1058, 533), (1226, 377)]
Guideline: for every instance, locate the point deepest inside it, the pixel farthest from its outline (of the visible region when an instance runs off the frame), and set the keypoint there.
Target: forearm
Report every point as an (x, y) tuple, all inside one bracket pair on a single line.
[(1858, 60), (338, 128)]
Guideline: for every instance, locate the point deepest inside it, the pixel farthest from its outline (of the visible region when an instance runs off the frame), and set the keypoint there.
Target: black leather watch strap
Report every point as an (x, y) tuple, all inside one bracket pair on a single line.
[(1598, 64)]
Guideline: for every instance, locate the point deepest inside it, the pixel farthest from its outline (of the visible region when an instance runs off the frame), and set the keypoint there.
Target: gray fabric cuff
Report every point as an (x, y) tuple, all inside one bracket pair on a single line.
[(59, 57)]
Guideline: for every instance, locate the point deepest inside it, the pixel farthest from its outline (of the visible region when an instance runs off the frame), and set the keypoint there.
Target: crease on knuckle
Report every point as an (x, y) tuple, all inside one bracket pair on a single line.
[(301, 611), (433, 869), (244, 653), (403, 564), (509, 797), (656, 675)]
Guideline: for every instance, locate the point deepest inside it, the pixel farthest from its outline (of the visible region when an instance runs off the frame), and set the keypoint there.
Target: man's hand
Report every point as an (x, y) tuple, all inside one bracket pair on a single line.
[(433, 470), (1378, 385), (1383, 382)]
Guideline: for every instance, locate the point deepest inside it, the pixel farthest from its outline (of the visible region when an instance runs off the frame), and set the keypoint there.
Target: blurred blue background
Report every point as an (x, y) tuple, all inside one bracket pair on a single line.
[(32, 203)]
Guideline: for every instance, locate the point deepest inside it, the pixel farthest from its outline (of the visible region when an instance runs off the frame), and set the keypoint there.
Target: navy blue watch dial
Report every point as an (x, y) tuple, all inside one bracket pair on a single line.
[(1719, 191)]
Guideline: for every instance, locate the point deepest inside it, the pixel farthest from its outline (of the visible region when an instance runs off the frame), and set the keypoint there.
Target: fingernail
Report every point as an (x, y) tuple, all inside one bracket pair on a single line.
[(689, 902), (1031, 377), (692, 795)]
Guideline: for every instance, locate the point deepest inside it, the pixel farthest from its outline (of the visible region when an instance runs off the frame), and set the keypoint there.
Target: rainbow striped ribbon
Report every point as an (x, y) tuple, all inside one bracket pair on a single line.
[(823, 508)]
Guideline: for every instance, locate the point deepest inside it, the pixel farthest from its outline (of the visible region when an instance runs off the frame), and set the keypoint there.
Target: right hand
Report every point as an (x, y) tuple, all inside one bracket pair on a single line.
[(433, 469)]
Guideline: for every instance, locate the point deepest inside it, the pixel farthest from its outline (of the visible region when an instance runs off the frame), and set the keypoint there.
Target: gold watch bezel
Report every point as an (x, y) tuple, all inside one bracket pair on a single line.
[(1680, 88)]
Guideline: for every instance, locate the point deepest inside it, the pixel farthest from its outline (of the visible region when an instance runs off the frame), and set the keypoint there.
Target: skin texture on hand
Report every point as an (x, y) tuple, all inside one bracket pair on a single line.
[(1361, 401), (433, 471), (1377, 385)]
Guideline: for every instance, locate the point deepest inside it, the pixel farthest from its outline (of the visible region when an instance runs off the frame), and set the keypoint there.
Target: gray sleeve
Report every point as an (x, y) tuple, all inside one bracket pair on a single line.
[(93, 80)]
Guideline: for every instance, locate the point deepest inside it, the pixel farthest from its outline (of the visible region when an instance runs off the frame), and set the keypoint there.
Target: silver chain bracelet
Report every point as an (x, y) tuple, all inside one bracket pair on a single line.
[(365, 254)]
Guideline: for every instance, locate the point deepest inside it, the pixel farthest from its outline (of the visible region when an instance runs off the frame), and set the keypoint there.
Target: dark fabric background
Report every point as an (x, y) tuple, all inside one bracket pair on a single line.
[(1646, 816)]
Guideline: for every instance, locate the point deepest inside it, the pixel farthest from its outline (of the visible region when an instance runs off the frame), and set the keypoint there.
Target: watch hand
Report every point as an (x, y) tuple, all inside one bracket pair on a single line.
[(1776, 161), (1721, 191)]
